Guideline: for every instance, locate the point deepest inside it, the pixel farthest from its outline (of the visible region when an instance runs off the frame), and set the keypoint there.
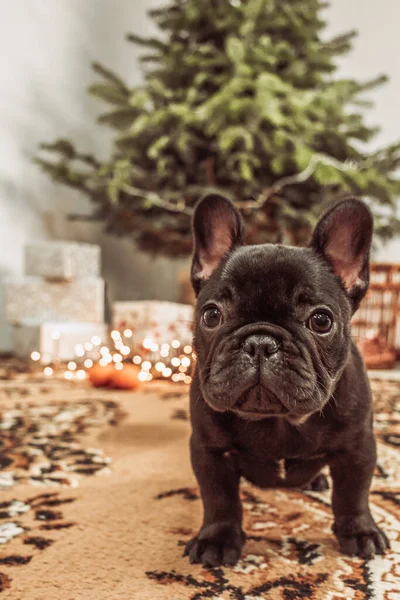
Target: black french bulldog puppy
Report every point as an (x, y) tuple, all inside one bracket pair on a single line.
[(280, 389)]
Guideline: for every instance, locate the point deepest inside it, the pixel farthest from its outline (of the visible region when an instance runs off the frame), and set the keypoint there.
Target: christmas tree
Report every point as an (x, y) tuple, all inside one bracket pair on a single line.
[(238, 97)]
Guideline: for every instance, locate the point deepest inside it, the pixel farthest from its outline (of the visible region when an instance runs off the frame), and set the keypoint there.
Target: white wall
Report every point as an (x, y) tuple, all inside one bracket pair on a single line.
[(46, 47), (375, 51)]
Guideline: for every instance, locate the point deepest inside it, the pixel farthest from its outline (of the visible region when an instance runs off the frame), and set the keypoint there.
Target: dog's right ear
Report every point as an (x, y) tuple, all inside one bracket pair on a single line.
[(343, 237), (217, 229)]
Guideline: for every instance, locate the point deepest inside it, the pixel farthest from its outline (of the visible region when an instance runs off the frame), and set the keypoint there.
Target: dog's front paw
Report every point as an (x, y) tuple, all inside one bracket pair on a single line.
[(360, 536), (216, 544)]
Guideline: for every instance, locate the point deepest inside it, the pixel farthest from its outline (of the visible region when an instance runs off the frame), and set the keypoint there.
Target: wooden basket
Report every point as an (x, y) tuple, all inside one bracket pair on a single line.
[(376, 324)]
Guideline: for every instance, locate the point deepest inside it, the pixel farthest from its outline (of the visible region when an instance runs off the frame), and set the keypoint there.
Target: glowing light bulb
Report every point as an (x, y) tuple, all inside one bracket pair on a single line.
[(187, 349), (88, 363), (104, 350), (175, 377), (68, 375), (146, 365), (137, 360), (81, 374), (160, 366), (115, 335), (35, 356), (147, 343), (175, 343), (142, 376), (187, 379), (117, 358), (71, 365), (185, 361), (175, 362), (167, 372), (88, 346), (96, 341), (48, 371), (79, 350), (128, 333), (119, 366), (125, 350)]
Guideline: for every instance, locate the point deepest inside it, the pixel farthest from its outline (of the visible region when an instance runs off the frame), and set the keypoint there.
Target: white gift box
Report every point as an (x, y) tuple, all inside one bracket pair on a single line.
[(32, 299), (60, 260), (160, 321), (56, 339)]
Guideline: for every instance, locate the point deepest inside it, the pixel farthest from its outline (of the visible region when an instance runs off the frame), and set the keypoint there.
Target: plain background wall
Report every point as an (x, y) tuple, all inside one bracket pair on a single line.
[(46, 47)]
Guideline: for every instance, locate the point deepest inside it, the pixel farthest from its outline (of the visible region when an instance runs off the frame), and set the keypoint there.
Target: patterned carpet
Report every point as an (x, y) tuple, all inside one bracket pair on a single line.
[(99, 499)]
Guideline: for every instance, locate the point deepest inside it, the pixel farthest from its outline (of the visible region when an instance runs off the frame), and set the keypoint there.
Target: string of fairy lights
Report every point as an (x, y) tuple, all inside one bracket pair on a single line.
[(155, 360)]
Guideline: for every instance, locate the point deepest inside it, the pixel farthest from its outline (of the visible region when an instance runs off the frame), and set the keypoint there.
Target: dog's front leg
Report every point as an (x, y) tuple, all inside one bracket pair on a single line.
[(220, 538), (354, 526)]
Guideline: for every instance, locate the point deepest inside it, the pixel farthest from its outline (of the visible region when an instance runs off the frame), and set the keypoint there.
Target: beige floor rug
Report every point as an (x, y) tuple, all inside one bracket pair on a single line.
[(97, 506)]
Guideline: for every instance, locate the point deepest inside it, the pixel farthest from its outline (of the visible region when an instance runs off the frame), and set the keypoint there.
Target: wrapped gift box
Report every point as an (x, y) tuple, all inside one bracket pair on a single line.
[(62, 260), (160, 321), (56, 339), (38, 300)]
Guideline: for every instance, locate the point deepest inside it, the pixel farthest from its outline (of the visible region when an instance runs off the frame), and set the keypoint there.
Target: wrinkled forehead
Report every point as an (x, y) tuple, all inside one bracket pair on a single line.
[(276, 274)]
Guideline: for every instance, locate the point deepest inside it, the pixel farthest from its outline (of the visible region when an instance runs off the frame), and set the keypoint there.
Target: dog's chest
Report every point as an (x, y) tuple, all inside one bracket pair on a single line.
[(274, 439), (274, 456)]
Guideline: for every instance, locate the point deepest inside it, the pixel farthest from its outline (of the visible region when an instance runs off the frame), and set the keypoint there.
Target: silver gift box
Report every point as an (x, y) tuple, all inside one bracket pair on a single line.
[(56, 340), (62, 260), (32, 299)]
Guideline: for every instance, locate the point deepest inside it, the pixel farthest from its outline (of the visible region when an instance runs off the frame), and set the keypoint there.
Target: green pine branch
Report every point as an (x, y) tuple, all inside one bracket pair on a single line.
[(240, 98)]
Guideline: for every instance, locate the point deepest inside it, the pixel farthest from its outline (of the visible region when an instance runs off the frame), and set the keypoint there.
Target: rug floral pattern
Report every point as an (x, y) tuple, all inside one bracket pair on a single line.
[(290, 553), (41, 445)]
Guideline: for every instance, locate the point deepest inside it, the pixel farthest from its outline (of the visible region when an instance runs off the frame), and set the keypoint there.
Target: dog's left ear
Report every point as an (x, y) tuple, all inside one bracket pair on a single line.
[(343, 237), (217, 229)]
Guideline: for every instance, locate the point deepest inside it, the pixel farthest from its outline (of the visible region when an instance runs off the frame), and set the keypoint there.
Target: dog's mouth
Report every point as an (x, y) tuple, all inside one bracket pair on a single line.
[(258, 402), (261, 403)]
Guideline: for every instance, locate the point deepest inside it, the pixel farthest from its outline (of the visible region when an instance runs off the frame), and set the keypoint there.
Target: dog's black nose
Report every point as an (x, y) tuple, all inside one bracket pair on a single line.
[(260, 346)]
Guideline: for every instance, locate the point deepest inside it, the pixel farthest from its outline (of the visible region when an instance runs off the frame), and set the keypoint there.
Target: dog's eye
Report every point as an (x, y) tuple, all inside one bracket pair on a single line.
[(212, 317), (320, 322)]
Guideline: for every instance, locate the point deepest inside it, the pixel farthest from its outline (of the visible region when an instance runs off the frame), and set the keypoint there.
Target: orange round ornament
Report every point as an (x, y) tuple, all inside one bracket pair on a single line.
[(100, 376), (126, 378)]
